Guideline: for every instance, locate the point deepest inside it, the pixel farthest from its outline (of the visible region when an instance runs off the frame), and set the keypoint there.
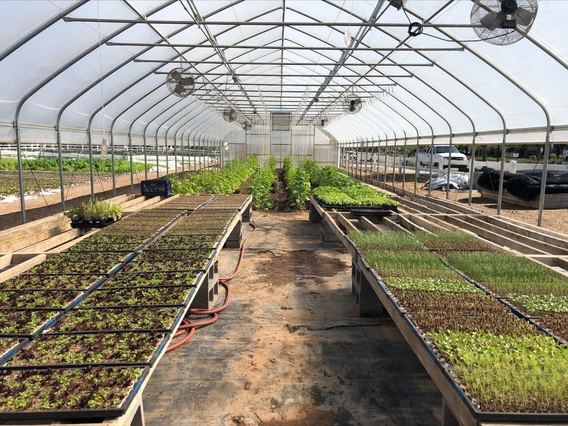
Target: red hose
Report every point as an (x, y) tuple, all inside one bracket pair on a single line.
[(188, 327)]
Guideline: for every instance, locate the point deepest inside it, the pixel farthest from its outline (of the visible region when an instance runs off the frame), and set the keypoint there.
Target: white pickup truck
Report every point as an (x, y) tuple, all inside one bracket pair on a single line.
[(441, 155)]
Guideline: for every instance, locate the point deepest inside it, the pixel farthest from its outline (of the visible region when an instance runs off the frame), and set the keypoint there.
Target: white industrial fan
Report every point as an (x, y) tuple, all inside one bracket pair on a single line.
[(230, 114), (503, 22), (180, 82), (352, 104)]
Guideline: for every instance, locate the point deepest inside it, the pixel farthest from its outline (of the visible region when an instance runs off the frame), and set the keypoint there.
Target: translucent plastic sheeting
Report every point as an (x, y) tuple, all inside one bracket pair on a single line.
[(81, 76)]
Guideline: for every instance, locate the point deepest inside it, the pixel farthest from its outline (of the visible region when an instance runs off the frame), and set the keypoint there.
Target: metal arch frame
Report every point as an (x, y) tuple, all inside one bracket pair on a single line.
[(156, 135), (537, 101), (364, 76), (42, 28), (163, 123), (403, 42), (140, 98), (548, 126), (373, 104), (355, 42), (46, 81)]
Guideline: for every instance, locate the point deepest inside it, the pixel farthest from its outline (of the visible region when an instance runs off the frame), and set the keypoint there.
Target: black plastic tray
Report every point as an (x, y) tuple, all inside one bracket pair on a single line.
[(478, 414), (80, 414), (25, 343), (367, 211)]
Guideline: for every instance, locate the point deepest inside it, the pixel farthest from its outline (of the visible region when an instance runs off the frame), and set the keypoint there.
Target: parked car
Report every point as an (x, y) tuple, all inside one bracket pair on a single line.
[(441, 154), (565, 153)]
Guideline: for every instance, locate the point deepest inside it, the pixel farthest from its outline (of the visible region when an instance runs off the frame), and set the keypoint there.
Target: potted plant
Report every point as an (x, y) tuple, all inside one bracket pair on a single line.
[(94, 214)]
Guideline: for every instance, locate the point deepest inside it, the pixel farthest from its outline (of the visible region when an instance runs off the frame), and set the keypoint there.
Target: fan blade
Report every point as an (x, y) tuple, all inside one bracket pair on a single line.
[(188, 81), (179, 89), (524, 17), (357, 101), (492, 20), (174, 75)]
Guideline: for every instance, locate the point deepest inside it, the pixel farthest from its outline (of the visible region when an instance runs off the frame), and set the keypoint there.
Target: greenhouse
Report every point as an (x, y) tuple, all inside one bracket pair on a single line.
[(284, 212)]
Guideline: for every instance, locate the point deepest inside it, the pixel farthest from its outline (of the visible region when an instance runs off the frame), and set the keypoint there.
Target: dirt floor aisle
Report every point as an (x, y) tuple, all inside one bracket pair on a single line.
[(291, 350)]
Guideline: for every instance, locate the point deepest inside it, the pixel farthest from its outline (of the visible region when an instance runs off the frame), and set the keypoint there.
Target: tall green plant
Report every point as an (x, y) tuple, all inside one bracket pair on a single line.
[(262, 183)]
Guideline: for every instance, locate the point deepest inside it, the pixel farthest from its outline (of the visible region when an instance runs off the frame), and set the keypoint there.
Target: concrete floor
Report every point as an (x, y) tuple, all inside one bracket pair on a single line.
[(290, 349)]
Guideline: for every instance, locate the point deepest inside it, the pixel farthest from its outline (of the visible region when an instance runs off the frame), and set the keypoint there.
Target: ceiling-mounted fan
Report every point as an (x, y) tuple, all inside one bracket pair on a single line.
[(247, 126), (503, 22), (352, 104), (180, 82), (230, 114)]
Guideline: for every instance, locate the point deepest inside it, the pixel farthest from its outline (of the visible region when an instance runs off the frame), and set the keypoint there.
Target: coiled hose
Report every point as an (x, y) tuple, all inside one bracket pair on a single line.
[(188, 327)]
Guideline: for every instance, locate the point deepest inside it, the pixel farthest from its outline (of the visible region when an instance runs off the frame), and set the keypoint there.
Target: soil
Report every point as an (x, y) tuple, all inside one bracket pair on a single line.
[(279, 196), (291, 349), (283, 268)]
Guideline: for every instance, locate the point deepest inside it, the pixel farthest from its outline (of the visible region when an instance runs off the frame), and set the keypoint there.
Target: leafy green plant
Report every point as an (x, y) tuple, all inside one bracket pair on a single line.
[(504, 268), (527, 374), (261, 184), (225, 181), (408, 264), (433, 284), (298, 186), (451, 241), (370, 240), (541, 303), (95, 210)]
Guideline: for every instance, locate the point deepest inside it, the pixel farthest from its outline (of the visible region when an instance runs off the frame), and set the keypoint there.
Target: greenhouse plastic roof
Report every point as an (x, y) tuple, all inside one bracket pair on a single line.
[(82, 66)]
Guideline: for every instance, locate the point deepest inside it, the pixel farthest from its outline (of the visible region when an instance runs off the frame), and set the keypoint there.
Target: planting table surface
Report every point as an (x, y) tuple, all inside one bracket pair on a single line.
[(102, 320), (454, 398)]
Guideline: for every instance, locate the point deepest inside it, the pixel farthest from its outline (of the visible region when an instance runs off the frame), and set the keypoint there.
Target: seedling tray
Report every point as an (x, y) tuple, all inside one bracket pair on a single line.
[(122, 275), (49, 322), (70, 415), (370, 212), (62, 307), (79, 328), (88, 225), (96, 283), (25, 344), (166, 289), (481, 416)]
